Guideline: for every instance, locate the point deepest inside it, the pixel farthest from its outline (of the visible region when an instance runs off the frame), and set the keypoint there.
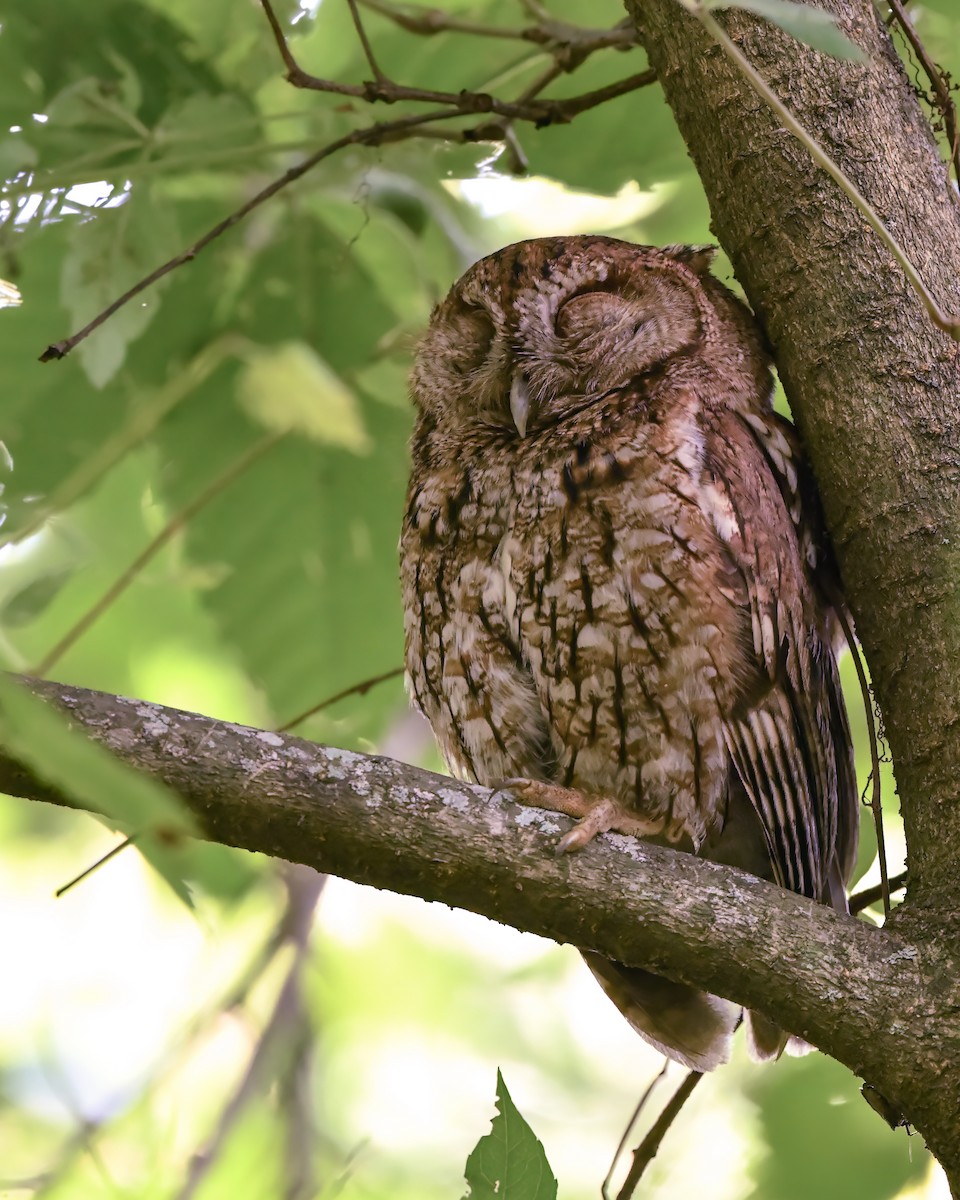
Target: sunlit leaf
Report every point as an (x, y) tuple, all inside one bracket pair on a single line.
[(9, 294), (289, 388)]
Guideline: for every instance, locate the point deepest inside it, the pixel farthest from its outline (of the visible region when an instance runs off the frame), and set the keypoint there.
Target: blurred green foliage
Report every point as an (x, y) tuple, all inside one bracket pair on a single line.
[(238, 435)]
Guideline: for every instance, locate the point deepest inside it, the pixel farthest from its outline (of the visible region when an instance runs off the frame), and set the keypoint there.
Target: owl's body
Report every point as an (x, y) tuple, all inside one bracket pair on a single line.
[(609, 562)]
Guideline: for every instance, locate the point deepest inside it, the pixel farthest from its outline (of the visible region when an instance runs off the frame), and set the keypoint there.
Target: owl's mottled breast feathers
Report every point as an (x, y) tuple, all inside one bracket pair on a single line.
[(610, 557)]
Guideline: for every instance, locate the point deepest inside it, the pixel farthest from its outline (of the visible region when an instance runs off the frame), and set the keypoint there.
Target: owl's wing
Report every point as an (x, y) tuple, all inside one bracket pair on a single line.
[(787, 736)]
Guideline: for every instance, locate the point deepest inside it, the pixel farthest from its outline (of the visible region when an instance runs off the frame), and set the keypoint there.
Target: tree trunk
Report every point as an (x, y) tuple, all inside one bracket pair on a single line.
[(875, 389)]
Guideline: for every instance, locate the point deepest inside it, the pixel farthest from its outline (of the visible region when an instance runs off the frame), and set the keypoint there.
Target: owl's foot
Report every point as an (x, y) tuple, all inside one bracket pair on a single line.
[(595, 814)]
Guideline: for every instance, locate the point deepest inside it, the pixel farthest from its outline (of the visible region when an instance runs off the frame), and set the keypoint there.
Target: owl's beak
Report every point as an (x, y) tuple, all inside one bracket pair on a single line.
[(520, 402)]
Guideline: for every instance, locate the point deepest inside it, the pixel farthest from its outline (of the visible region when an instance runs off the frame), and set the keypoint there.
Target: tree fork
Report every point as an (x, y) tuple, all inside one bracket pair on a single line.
[(881, 1003)]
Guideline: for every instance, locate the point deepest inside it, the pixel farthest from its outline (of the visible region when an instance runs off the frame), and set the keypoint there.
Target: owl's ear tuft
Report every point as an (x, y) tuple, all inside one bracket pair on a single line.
[(697, 258)]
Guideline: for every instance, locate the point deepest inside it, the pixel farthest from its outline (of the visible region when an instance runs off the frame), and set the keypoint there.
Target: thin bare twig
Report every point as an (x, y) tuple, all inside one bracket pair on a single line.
[(430, 21), (357, 689), (641, 1104), (304, 886), (370, 135), (536, 10), (544, 79), (172, 527), (104, 858), (552, 34), (941, 93), (876, 805), (645, 1153), (280, 38), (502, 130), (861, 900), (365, 43)]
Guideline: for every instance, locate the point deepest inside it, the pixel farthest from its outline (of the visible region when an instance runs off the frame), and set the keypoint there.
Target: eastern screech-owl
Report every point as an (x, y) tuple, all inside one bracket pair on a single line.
[(613, 567)]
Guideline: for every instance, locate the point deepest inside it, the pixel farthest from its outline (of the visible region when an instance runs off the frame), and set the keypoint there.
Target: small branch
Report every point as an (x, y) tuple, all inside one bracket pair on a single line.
[(634, 1117), (384, 91), (371, 135), (455, 104), (876, 805), (280, 38), (101, 861), (276, 1042), (941, 92), (356, 689), (558, 36), (235, 996), (861, 900), (575, 105), (948, 323), (430, 21), (365, 42), (645, 1153)]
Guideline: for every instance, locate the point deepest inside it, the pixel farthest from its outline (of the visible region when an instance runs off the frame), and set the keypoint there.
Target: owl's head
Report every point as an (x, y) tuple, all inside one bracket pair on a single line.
[(543, 328)]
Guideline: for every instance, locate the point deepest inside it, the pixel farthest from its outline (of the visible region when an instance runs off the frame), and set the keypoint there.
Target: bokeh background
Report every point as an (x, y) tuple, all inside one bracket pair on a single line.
[(201, 507)]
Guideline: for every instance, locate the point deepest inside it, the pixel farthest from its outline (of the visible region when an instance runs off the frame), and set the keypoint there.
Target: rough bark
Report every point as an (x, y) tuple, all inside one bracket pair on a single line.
[(875, 389), (881, 1003)]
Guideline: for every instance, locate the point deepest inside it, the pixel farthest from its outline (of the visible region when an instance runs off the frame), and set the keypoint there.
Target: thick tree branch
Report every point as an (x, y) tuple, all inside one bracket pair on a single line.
[(872, 999)]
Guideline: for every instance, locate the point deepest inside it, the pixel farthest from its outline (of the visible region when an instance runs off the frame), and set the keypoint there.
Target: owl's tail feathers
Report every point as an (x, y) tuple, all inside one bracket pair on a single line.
[(691, 1027), (767, 1041)]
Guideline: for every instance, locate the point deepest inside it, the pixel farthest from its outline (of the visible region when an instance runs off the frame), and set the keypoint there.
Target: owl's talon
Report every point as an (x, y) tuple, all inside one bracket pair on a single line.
[(573, 841), (596, 814)]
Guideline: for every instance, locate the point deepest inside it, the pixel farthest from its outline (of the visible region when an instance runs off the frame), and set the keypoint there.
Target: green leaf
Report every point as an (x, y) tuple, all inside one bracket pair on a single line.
[(16, 155), (856, 1154), (300, 550), (509, 1163), (34, 597), (202, 123), (289, 388), (108, 255), (41, 737), (807, 24)]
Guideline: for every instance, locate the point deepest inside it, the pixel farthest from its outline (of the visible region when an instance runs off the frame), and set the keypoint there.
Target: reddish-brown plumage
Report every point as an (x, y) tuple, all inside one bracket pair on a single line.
[(610, 565)]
